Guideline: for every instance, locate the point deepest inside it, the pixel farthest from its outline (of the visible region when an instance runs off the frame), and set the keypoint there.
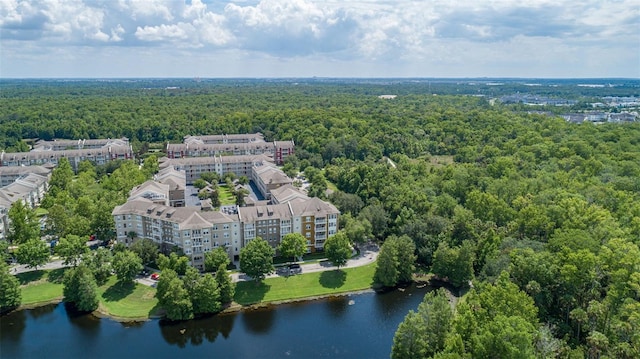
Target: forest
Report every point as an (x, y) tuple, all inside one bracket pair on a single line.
[(540, 216)]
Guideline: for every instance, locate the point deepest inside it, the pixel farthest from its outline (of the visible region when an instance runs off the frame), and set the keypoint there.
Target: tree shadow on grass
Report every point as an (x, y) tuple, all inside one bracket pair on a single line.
[(118, 291), (250, 292), (28, 277), (56, 275), (333, 279), (156, 311)]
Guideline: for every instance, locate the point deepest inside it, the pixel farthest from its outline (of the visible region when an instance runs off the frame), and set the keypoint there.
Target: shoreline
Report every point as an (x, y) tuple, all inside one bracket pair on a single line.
[(229, 309)]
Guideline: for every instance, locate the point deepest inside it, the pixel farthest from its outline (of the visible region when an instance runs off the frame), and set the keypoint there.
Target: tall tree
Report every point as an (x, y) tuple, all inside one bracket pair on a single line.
[(256, 259), (72, 248), (387, 265), (206, 295), (216, 258), (10, 293), (23, 224), (146, 249), (33, 253), (99, 262), (423, 333), (80, 288), (338, 249), (127, 265), (61, 177), (225, 285), (176, 301), (293, 245), (173, 262)]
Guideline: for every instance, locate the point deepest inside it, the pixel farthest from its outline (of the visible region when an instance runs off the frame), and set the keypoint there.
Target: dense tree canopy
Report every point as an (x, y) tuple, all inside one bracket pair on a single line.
[(10, 293), (256, 259), (485, 186)]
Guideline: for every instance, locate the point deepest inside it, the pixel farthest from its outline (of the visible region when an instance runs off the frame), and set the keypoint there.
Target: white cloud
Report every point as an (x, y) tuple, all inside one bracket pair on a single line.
[(417, 36)]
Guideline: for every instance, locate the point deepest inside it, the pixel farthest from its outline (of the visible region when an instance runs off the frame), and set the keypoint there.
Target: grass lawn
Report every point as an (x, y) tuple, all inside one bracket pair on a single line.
[(41, 286), (225, 196), (130, 300), (305, 285)]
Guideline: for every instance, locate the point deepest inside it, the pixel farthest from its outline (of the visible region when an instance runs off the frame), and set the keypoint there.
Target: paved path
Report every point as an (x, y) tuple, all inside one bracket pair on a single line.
[(366, 256), (21, 268)]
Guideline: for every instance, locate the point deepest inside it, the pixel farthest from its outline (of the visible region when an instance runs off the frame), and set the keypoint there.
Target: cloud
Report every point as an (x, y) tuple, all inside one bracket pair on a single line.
[(410, 34)]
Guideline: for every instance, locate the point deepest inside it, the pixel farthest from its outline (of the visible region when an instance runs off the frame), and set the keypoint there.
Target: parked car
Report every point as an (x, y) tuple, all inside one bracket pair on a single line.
[(155, 276)]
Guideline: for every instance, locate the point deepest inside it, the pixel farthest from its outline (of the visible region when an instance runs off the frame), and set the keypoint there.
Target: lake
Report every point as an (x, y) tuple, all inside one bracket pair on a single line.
[(355, 326)]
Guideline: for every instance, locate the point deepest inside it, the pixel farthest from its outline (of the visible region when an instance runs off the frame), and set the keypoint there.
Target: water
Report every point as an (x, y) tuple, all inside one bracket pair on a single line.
[(357, 326)]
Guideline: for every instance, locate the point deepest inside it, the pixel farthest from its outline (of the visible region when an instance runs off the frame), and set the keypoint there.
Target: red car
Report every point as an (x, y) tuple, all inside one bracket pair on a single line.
[(155, 276)]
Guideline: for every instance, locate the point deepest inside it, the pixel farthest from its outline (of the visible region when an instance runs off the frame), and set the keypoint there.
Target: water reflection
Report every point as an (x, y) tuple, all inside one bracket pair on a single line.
[(387, 304), (88, 324), (196, 331), (337, 306), (12, 326), (259, 321), (42, 311)]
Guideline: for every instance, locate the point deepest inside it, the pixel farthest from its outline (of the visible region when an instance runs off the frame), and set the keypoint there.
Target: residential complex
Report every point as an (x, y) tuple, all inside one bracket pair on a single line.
[(230, 145), (98, 151), (151, 213), (29, 188)]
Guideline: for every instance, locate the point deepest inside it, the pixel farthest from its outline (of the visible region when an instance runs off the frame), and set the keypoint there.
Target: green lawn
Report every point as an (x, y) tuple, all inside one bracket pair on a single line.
[(225, 196), (41, 286), (130, 300), (305, 285), (125, 301)]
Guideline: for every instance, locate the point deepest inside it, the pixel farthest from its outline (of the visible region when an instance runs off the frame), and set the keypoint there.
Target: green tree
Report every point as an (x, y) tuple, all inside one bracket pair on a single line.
[(33, 253), (200, 184), (240, 194), (99, 262), (126, 265), (215, 258), (225, 285), (256, 259), (23, 224), (150, 166), (163, 283), (10, 293), (406, 257), (80, 288), (176, 301), (292, 245), (57, 219), (61, 177), (173, 262), (72, 248), (146, 249), (338, 249), (422, 334), (454, 264), (387, 266), (102, 224), (205, 296), (211, 177)]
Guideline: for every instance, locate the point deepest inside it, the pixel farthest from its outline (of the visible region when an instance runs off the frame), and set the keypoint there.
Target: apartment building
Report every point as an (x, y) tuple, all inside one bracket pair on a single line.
[(99, 156), (29, 188), (8, 175), (218, 139), (61, 145), (195, 232), (230, 145)]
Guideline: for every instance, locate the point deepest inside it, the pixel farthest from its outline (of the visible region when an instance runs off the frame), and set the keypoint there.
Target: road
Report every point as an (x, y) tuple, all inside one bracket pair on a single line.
[(366, 256), (21, 268)]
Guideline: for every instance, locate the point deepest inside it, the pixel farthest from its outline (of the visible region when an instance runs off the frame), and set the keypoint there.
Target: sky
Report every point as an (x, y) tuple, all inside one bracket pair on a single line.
[(324, 38)]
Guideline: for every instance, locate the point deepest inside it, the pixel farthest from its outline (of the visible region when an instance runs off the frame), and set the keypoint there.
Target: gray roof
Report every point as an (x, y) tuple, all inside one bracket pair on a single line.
[(312, 207), (259, 213), (287, 193)]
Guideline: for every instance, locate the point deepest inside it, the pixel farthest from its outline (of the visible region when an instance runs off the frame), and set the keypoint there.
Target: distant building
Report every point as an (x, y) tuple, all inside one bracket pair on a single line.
[(230, 145), (99, 151)]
